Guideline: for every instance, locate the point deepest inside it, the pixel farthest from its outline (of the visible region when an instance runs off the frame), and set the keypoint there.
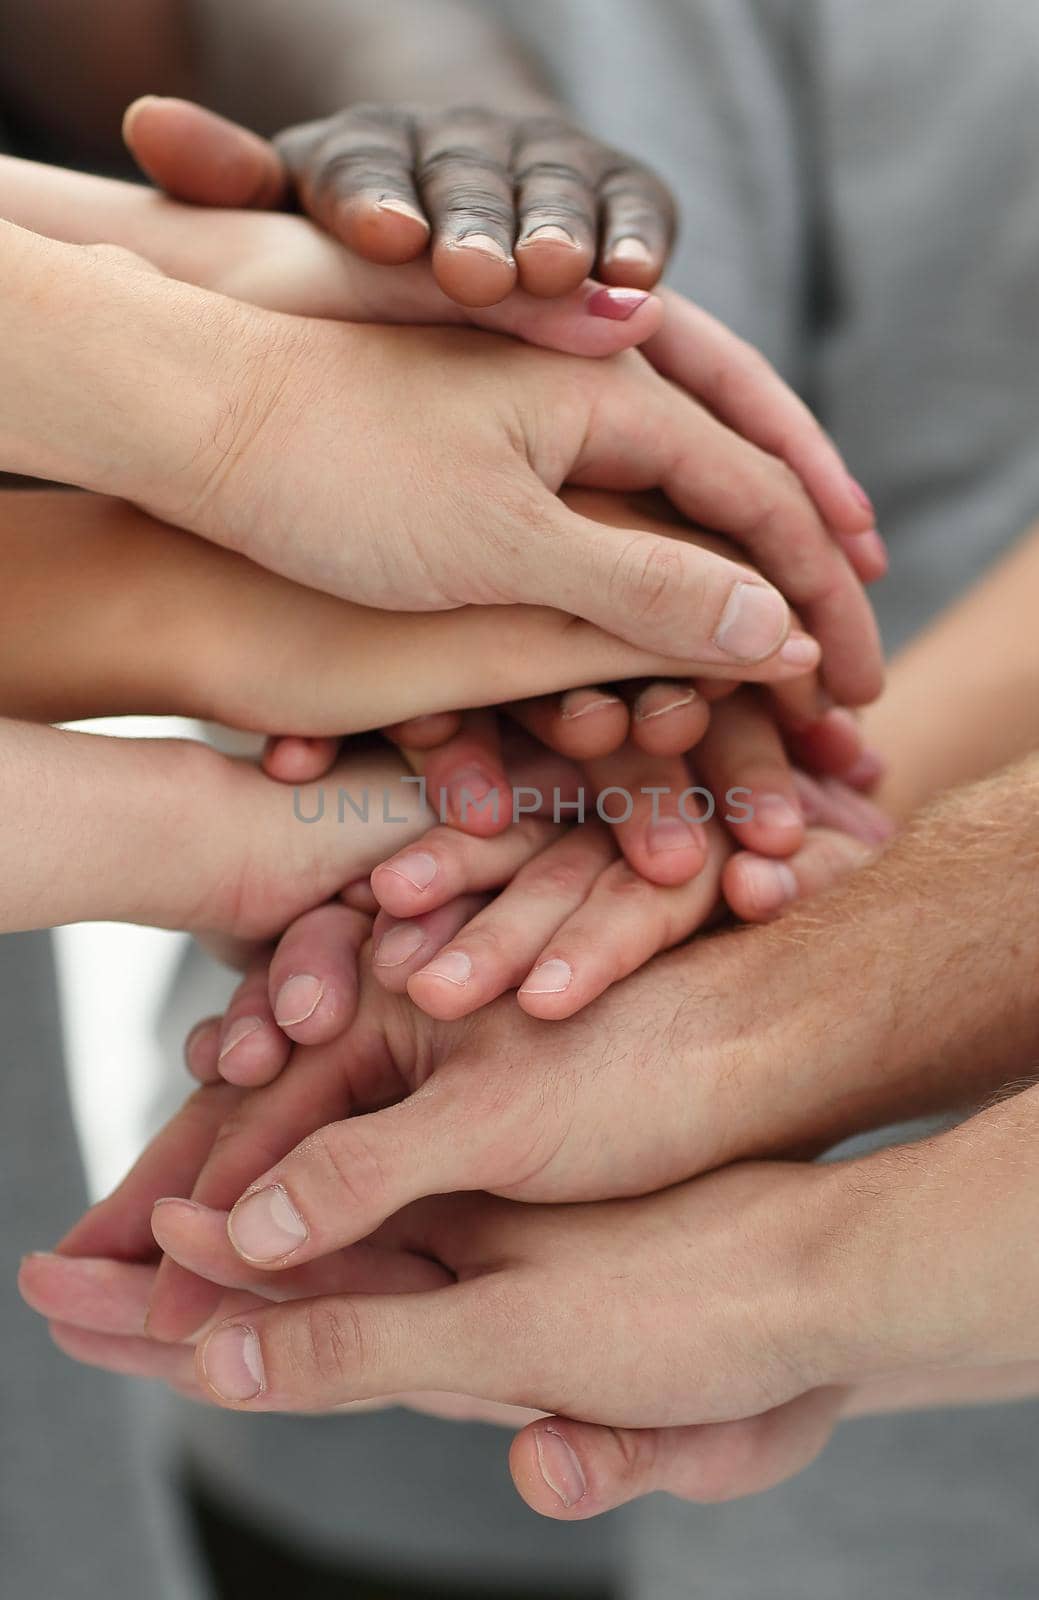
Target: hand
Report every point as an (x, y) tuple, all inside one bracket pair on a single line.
[(198, 156), (385, 180)]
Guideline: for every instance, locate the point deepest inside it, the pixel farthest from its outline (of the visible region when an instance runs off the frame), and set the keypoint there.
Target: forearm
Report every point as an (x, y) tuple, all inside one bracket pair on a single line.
[(907, 991), (271, 71), (258, 60), (115, 379), (932, 1263), (110, 829), (963, 699)]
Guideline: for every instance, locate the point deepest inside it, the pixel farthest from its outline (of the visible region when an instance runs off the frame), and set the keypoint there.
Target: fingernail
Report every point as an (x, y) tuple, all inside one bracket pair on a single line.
[(769, 884), (646, 710), (483, 245), (559, 1467), (630, 249), (232, 1363), (402, 208), (579, 702), (417, 867), (776, 811), (297, 999), (467, 791), (616, 304), (800, 650), (551, 977), (549, 233), (453, 966), (859, 493), (670, 833), (753, 622), (237, 1032), (266, 1226), (399, 945)]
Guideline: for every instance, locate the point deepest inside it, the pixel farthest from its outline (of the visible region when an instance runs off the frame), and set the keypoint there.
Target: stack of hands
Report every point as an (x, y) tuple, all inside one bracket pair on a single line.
[(422, 1165)]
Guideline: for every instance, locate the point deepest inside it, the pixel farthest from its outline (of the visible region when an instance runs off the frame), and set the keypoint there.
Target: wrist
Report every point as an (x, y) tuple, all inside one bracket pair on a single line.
[(118, 380)]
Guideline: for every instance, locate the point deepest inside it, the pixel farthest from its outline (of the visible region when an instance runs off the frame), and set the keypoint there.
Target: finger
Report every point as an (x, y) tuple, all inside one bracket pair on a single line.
[(292, 760), (103, 1295), (196, 1238), (354, 175), (266, 1124), (664, 595), (831, 745), (832, 803), (556, 171), (654, 811), (496, 950), (446, 864), (311, 1354), (201, 158), (759, 889), (252, 1048), (120, 1225), (743, 761), (718, 479), (358, 895), (464, 174), (580, 724), (425, 733), (574, 1470), (134, 1358), (465, 779), (312, 982), (739, 385), (202, 1048), (668, 719), (638, 225), (400, 948), (623, 922)]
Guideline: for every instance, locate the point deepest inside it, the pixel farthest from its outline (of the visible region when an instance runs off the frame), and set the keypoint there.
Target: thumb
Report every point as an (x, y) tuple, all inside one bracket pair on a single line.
[(575, 1470), (201, 158)]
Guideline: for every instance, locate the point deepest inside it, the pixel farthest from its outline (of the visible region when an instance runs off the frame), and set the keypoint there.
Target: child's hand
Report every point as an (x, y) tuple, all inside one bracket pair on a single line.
[(501, 199)]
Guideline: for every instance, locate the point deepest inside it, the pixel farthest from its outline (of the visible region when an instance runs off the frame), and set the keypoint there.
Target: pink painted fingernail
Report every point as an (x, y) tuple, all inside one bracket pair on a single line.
[(770, 885), (551, 977), (266, 1226), (615, 304), (233, 1364), (297, 999), (239, 1030), (453, 966), (398, 945), (559, 1467), (417, 867), (671, 833), (859, 493)]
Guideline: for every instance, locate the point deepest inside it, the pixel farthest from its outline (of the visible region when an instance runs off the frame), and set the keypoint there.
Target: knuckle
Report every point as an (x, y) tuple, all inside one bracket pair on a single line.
[(330, 1345), (347, 1164), (623, 883), (562, 879), (650, 577)]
